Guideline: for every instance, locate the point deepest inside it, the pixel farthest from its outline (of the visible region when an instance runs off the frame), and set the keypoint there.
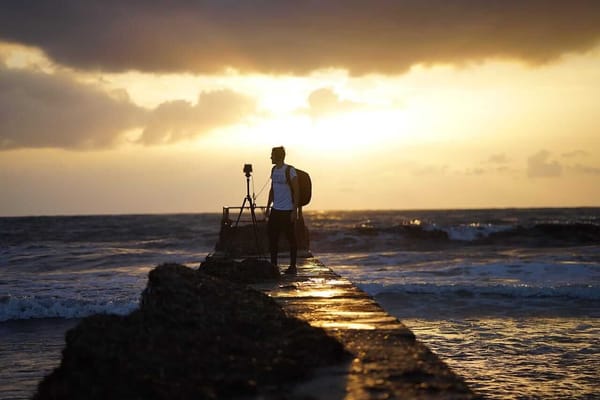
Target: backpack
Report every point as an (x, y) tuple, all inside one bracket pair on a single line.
[(304, 185)]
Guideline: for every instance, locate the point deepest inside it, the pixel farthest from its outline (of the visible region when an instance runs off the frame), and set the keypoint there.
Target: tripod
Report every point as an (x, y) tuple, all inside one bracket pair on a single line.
[(252, 207)]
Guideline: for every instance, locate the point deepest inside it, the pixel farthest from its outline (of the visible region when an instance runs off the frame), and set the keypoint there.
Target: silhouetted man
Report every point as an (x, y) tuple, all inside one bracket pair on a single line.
[(283, 215)]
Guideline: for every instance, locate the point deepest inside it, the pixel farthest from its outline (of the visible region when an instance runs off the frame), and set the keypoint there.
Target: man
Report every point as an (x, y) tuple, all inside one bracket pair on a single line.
[(283, 215)]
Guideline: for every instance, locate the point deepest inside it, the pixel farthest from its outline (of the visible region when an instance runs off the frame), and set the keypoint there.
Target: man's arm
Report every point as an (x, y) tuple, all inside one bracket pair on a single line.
[(268, 210)]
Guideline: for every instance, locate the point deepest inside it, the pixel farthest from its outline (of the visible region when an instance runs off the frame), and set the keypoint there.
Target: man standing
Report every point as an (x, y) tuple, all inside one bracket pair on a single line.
[(283, 215)]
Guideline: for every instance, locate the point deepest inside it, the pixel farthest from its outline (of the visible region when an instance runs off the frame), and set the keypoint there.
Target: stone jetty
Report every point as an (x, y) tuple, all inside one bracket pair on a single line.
[(241, 330)]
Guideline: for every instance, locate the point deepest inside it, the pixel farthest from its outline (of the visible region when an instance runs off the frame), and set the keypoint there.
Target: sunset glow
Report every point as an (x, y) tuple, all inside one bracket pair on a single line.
[(430, 128)]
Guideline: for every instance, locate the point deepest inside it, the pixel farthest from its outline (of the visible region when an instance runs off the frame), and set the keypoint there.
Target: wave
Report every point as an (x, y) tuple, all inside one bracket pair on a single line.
[(152, 229), (475, 272), (19, 308), (364, 237), (71, 294), (344, 231), (548, 234), (579, 292)]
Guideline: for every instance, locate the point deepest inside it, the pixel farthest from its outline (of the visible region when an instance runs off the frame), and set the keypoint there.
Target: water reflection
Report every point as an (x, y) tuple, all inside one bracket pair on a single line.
[(518, 357)]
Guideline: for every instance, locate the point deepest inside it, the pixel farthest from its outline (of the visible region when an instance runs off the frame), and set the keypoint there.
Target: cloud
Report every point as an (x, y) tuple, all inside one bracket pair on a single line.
[(428, 170), (575, 154), (540, 166), (585, 169), (274, 36), (39, 110), (180, 120), (325, 101), (42, 110), (498, 159), (476, 171)]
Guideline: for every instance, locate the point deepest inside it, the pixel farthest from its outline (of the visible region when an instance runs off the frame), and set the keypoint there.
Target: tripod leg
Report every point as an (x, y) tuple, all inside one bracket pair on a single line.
[(255, 227), (237, 221), (252, 208)]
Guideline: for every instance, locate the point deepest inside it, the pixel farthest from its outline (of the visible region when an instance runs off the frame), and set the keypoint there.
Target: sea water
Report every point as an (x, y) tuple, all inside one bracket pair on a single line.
[(510, 299)]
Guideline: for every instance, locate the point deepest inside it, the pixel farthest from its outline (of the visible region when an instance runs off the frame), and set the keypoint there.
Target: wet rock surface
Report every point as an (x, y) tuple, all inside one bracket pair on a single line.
[(195, 336), (251, 270), (388, 363)]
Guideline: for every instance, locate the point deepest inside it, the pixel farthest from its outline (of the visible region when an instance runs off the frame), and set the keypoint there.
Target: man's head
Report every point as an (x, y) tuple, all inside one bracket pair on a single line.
[(277, 155)]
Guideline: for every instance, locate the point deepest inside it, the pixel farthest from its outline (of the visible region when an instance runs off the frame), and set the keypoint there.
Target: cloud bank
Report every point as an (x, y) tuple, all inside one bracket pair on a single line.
[(274, 36), (39, 110), (179, 120), (42, 110)]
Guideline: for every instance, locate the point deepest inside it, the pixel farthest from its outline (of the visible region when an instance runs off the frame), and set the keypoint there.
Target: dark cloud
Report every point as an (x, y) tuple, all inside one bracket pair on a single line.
[(180, 120), (42, 110), (541, 166), (52, 110), (385, 36)]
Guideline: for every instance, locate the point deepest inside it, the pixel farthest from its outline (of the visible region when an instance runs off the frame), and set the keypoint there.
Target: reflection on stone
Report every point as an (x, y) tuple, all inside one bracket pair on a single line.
[(388, 363)]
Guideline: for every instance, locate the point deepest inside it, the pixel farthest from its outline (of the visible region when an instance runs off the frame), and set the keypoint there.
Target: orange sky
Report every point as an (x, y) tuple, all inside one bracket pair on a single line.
[(130, 108)]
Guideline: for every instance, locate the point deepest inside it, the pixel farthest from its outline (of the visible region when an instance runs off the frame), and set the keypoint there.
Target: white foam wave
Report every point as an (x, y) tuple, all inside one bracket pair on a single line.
[(470, 232), (556, 273), (71, 295), (15, 308)]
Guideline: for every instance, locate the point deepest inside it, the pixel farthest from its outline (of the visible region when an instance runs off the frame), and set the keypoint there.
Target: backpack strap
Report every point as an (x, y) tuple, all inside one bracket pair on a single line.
[(289, 182), (287, 176)]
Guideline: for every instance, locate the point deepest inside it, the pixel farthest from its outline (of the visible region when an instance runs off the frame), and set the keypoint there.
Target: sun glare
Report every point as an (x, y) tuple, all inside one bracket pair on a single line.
[(337, 135), (356, 131)]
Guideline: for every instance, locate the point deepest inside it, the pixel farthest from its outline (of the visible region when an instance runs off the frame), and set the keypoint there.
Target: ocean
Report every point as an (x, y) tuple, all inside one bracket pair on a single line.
[(509, 298)]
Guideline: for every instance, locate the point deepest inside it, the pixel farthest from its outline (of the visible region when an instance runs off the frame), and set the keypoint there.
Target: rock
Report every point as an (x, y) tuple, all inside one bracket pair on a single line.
[(247, 271), (195, 336)]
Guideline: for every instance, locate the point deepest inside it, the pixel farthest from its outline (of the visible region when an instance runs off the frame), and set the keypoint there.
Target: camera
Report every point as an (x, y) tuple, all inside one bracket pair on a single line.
[(247, 169)]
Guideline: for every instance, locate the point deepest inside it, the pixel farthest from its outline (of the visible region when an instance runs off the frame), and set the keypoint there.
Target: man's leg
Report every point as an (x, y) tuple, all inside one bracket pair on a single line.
[(273, 232), (290, 231)]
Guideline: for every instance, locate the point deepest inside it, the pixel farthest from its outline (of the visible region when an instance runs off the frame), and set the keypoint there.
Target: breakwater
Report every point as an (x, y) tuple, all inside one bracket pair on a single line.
[(311, 335)]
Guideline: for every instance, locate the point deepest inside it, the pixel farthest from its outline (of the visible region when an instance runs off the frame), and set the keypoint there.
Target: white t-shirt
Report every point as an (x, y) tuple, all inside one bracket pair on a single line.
[(282, 192)]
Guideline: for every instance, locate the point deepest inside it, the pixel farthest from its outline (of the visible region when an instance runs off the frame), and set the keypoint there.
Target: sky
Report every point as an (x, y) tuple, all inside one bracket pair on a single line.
[(120, 107)]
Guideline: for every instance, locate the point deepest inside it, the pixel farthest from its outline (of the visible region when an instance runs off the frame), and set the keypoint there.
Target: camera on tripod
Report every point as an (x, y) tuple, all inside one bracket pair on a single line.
[(251, 206)]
